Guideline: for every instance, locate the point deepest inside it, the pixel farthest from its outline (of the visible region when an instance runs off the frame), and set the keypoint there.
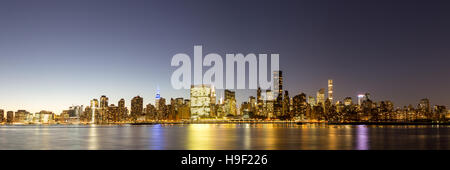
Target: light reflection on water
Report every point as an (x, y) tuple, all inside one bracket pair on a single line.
[(225, 137)]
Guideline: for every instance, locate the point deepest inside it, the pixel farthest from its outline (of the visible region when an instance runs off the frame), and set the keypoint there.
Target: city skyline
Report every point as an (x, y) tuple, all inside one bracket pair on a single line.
[(54, 55)]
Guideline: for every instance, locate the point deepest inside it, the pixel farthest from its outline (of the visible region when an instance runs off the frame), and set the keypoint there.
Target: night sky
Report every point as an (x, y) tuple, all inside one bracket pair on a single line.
[(54, 54)]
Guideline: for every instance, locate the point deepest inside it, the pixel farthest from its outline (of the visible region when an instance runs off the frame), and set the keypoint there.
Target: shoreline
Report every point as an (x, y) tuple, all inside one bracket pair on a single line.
[(240, 122)]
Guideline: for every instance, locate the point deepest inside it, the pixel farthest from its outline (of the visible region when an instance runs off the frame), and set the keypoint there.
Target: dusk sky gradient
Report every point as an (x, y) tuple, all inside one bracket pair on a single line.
[(58, 53)]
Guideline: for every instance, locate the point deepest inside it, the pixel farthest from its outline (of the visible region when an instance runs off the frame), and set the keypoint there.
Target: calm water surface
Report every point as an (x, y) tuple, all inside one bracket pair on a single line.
[(225, 137)]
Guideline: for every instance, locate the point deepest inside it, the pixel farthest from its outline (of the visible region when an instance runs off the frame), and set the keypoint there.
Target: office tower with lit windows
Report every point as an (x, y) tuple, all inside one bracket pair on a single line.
[(299, 104), (320, 97), (278, 93), (348, 101), (137, 107), (330, 90), (10, 117), (21, 116), (259, 102), (201, 97), (360, 99), (121, 103), (123, 111), (269, 104), (213, 107), (230, 103), (286, 105), (103, 101), (311, 101), (94, 106), (2, 116)]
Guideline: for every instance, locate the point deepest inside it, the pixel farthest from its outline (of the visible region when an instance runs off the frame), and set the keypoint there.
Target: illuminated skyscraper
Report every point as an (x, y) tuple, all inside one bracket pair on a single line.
[(321, 97), (278, 93), (137, 107), (157, 98), (201, 97), (103, 101), (259, 102), (330, 90), (360, 99), (348, 101), (10, 117), (311, 101), (94, 106), (230, 103), (269, 104), (121, 103), (2, 116)]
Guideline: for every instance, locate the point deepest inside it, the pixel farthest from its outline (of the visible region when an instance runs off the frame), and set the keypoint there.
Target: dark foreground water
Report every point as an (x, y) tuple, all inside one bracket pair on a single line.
[(225, 137)]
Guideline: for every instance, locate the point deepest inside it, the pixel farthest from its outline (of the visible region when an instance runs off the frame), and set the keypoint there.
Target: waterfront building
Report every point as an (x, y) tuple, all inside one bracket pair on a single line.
[(21, 116), (137, 104), (150, 112), (94, 106), (123, 111), (44, 117), (185, 110), (299, 105), (200, 100), (2, 116), (10, 117), (74, 113), (162, 109)]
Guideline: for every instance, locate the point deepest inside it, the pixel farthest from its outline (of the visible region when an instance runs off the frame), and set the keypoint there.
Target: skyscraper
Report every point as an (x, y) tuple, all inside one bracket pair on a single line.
[(121, 103), (157, 98), (10, 117), (321, 97), (94, 106), (278, 82), (330, 90), (137, 107), (259, 102), (360, 99), (230, 103), (348, 101), (2, 115), (103, 101), (201, 97), (278, 86), (311, 101)]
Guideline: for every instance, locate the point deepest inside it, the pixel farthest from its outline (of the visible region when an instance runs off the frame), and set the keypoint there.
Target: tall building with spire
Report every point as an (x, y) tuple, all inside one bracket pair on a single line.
[(157, 98)]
